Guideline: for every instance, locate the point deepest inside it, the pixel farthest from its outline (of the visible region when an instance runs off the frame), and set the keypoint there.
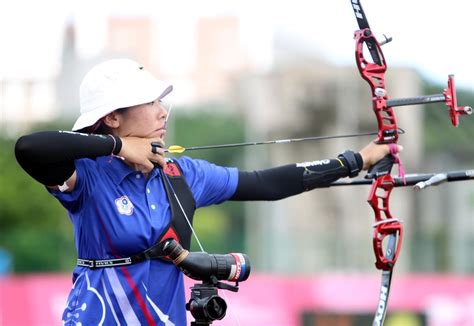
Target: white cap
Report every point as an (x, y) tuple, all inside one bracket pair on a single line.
[(115, 84)]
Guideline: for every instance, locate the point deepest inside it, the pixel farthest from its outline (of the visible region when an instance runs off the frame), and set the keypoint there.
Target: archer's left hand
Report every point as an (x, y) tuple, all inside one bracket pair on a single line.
[(372, 153)]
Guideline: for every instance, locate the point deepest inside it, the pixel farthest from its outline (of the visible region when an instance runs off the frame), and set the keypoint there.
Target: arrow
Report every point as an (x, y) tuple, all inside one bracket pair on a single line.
[(180, 149)]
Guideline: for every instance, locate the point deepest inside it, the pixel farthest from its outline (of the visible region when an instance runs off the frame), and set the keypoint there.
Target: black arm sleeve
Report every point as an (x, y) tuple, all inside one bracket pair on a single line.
[(49, 156), (288, 180)]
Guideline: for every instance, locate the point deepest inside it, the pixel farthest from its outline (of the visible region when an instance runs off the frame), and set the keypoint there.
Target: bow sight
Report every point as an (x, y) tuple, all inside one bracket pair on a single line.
[(205, 304)]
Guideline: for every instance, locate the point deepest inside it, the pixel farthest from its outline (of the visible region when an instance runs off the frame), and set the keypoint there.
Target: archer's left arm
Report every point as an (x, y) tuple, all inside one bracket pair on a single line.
[(292, 179)]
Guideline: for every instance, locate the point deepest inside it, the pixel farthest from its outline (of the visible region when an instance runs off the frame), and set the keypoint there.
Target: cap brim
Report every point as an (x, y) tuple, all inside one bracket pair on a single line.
[(90, 118)]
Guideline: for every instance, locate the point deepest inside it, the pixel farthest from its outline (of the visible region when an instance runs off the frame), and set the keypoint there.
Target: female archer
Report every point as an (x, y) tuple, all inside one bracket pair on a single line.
[(111, 176)]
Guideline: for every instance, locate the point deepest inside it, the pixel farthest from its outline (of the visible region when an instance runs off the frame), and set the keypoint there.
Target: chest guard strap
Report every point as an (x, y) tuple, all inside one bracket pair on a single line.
[(178, 228)]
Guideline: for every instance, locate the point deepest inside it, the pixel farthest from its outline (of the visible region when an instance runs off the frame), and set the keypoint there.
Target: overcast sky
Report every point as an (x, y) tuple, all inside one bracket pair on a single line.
[(435, 37)]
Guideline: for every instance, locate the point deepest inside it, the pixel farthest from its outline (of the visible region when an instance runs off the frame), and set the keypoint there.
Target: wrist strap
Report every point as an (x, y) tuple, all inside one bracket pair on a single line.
[(351, 162)]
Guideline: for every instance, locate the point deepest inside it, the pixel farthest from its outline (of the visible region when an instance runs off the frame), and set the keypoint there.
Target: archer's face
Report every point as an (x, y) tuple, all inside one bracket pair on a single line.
[(144, 120)]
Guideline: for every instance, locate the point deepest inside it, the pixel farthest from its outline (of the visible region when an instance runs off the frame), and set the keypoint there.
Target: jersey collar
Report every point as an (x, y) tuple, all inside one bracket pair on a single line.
[(116, 168)]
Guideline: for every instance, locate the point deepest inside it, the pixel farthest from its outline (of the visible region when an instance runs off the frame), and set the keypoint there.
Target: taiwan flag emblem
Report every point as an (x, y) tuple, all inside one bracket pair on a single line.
[(124, 205), (172, 170)]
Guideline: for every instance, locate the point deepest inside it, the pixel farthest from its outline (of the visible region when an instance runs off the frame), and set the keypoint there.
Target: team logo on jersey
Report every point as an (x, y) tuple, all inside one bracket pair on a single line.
[(124, 205)]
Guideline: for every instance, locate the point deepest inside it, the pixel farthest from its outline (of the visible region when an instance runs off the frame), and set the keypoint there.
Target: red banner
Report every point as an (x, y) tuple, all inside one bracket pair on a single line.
[(274, 300)]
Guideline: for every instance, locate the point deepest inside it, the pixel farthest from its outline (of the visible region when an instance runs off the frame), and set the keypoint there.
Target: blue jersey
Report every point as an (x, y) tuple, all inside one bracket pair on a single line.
[(117, 212)]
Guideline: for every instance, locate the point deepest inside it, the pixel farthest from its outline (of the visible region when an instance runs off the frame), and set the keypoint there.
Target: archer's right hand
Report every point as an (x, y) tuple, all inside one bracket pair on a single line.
[(137, 152)]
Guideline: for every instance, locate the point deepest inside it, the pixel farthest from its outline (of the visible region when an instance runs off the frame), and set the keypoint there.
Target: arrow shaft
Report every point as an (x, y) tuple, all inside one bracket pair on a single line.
[(279, 141)]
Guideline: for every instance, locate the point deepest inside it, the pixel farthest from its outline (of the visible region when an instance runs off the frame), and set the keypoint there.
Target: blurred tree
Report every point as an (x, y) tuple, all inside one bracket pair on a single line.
[(220, 228), (34, 227), (439, 135), (202, 126), (432, 248)]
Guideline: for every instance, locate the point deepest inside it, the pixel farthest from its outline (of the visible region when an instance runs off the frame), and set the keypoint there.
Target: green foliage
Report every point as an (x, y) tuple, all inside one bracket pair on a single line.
[(207, 128), (30, 219), (440, 135), (220, 228), (41, 248)]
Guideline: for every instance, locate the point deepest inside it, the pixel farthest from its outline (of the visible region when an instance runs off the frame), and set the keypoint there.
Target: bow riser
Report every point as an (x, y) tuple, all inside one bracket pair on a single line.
[(385, 258), (379, 199), (374, 74), (379, 196)]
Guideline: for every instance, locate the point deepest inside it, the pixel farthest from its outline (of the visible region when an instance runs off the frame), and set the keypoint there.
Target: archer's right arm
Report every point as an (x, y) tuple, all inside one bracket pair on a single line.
[(49, 156)]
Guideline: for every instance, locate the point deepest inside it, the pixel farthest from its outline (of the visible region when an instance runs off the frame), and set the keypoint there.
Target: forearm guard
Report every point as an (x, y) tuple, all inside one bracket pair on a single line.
[(49, 156)]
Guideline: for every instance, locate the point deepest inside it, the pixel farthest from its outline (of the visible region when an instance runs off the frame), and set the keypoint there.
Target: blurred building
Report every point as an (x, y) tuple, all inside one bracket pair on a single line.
[(24, 102), (133, 37), (218, 57)]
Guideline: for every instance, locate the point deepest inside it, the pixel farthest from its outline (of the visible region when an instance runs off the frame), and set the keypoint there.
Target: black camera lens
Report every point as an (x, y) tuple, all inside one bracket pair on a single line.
[(202, 266)]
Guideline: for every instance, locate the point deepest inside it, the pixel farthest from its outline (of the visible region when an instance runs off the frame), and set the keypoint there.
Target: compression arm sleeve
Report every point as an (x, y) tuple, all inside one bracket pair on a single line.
[(49, 156), (288, 180)]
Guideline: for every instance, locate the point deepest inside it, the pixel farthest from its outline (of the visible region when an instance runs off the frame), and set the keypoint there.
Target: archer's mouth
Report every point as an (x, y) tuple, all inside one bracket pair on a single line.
[(161, 133)]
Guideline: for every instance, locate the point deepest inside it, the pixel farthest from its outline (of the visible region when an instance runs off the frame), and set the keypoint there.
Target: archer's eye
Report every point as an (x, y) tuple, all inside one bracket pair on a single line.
[(151, 103)]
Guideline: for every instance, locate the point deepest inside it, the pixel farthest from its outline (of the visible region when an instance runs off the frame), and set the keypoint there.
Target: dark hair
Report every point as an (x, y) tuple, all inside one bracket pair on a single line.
[(100, 127)]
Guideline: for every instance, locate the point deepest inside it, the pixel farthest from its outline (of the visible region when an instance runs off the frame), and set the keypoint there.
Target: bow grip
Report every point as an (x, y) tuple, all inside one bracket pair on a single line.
[(154, 146), (382, 167)]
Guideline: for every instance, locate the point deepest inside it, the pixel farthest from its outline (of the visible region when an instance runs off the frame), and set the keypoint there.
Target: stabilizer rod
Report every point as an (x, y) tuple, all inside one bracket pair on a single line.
[(448, 97), (418, 180)]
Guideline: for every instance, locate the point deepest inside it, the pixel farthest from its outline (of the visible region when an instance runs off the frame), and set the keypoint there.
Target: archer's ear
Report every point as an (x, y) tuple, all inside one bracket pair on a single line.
[(112, 120)]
